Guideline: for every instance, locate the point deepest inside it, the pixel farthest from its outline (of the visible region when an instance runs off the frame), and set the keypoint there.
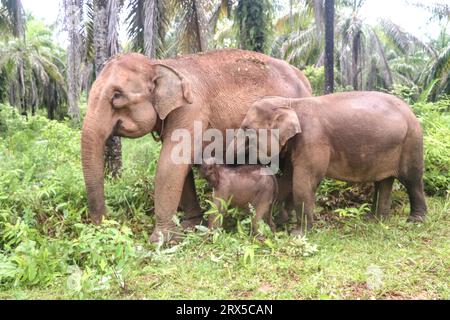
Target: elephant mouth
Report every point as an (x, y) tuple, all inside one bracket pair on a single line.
[(116, 131)]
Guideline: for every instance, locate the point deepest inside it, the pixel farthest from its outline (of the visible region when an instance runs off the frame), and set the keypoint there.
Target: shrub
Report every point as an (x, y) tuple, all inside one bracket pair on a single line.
[(408, 93), (435, 122), (43, 236), (43, 206), (316, 77)]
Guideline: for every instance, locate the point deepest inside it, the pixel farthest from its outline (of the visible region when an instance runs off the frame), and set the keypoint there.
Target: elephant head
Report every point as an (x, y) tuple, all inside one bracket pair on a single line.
[(128, 99), (270, 115)]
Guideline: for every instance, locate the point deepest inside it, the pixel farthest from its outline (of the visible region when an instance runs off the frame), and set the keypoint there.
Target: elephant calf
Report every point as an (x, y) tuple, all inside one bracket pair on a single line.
[(354, 137), (244, 185)]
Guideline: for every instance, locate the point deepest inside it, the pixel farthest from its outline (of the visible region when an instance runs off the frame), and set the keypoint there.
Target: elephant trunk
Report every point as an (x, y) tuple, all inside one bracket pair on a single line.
[(93, 142), (238, 147)]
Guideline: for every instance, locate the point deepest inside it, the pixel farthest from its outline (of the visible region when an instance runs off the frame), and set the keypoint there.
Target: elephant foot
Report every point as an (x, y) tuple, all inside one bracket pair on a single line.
[(282, 218), (191, 223), (416, 218), (165, 236), (96, 219)]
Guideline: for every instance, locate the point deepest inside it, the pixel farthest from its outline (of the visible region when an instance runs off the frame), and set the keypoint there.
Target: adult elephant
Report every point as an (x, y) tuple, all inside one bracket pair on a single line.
[(134, 96)]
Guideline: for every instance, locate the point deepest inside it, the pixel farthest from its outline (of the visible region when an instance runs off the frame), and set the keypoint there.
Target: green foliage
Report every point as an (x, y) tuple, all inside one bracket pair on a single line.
[(32, 71), (436, 125), (47, 246), (44, 235), (368, 56), (45, 240), (408, 93), (316, 77), (354, 212), (43, 206), (12, 18), (254, 19)]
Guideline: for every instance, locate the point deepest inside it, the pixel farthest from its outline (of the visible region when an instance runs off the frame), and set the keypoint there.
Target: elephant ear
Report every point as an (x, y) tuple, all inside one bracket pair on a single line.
[(172, 90), (286, 120)]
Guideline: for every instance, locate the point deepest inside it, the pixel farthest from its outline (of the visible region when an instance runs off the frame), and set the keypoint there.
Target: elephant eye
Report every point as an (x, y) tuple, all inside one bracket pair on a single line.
[(119, 99), (117, 95)]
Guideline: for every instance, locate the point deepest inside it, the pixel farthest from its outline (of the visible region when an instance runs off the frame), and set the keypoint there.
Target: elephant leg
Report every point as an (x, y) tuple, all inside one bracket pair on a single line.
[(263, 213), (269, 220), (411, 176), (189, 204), (304, 188), (414, 187), (283, 215), (382, 198), (304, 207), (169, 182), (286, 208)]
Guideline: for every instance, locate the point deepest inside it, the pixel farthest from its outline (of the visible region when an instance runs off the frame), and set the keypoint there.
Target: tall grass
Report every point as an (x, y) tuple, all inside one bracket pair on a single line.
[(44, 237)]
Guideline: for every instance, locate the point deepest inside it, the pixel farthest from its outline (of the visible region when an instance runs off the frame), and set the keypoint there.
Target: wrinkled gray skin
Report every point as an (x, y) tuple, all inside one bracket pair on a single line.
[(244, 185), (355, 137)]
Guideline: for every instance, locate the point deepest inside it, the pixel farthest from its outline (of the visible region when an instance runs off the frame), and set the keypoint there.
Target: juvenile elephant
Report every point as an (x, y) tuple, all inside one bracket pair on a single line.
[(134, 96), (243, 186), (355, 137)]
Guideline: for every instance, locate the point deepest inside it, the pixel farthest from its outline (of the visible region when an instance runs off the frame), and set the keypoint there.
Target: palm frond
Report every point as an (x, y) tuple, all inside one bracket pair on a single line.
[(404, 41), (305, 39), (15, 17)]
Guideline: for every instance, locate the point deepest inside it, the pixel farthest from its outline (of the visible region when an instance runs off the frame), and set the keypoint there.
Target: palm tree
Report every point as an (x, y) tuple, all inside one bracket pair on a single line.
[(198, 22), (440, 10), (329, 46), (12, 17), (33, 70), (253, 20), (162, 28), (72, 15), (362, 51), (147, 22), (105, 30), (436, 73), (150, 12), (105, 45)]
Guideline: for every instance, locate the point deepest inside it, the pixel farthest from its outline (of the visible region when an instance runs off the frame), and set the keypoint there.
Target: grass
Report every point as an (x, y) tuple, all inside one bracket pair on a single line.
[(47, 251), (354, 259)]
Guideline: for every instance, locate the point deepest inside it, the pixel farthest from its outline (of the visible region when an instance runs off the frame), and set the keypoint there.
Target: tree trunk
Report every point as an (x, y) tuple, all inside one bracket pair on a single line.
[(150, 7), (355, 59), (202, 26), (100, 35), (17, 16), (329, 46), (319, 15), (254, 22), (72, 10), (113, 147), (113, 20)]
